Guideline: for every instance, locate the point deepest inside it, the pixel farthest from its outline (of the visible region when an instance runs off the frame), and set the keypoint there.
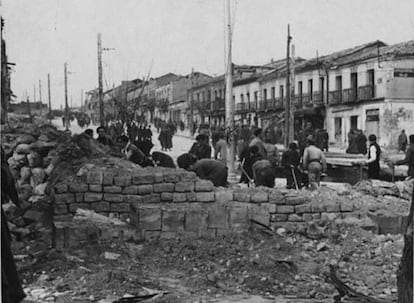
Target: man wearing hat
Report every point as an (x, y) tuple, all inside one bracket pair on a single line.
[(201, 149), (314, 162), (374, 153)]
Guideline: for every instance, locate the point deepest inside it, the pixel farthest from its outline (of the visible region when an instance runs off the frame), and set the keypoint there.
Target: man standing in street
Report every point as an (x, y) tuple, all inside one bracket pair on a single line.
[(257, 140), (314, 162), (409, 158), (402, 141), (374, 153)]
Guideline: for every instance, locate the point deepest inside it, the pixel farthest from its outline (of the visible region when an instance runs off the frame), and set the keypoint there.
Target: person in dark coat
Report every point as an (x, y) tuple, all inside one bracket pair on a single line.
[(291, 163), (103, 138), (409, 158), (207, 169), (249, 156), (402, 141), (263, 173), (163, 138), (133, 153), (163, 160), (12, 291), (374, 153), (361, 142), (352, 142), (201, 149)]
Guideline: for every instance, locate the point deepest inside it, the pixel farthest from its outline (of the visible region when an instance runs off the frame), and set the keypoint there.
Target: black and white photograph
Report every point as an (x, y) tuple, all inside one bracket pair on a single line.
[(200, 151)]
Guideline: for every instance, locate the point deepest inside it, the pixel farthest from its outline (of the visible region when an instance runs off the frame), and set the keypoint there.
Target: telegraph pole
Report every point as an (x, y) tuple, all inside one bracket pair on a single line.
[(40, 96), (48, 96), (191, 103), (229, 99), (34, 93), (66, 97), (288, 103), (292, 94), (100, 88)]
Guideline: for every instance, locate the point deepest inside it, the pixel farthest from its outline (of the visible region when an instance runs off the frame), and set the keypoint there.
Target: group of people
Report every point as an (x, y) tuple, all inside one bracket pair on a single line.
[(166, 133), (357, 142)]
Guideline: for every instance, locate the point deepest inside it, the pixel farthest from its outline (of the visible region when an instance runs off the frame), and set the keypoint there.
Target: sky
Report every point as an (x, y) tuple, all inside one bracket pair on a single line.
[(154, 37)]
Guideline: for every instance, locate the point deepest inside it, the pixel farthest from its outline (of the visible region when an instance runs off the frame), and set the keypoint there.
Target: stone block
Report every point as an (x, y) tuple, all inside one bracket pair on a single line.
[(78, 187), (303, 208), (327, 217), (152, 198), (60, 209), (346, 207), (260, 197), (205, 196), (94, 177), (168, 235), (120, 207), (61, 188), (188, 176), (184, 186), (108, 177), (217, 217), (350, 215), (316, 217), (276, 197), (204, 185), (173, 220), (112, 189), (100, 206), (149, 219), (333, 208), (95, 188), (171, 177), (285, 209), (191, 196), (238, 215), (92, 197), (223, 196), (163, 187), (130, 190), (132, 199), (278, 217), (295, 200), (158, 177), (241, 196), (270, 207), (74, 206), (79, 197), (65, 198), (295, 218), (167, 197), (318, 208), (145, 189), (113, 197), (124, 180), (179, 197), (196, 220), (259, 214), (307, 217), (142, 177)]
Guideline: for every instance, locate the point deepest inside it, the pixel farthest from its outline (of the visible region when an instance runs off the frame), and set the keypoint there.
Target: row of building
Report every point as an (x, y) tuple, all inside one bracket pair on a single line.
[(368, 87)]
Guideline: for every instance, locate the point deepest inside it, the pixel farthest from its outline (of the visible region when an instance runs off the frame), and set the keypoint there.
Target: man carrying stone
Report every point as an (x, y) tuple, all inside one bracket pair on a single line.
[(314, 162), (207, 169)]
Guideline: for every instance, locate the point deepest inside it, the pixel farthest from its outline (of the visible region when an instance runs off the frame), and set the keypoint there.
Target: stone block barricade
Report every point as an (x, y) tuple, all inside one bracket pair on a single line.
[(161, 202)]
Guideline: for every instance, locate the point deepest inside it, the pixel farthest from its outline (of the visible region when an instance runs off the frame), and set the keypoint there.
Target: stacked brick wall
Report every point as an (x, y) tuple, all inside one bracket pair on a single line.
[(165, 203)]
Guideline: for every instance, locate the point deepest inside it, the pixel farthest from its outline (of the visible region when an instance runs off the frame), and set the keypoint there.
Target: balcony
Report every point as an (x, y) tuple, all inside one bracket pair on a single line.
[(262, 105), (270, 104), (242, 107), (253, 106), (318, 98), (279, 103), (335, 97), (352, 95), (366, 92)]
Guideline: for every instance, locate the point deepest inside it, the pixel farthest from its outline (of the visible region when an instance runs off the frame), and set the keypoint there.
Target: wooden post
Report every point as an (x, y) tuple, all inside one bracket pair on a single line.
[(48, 95), (288, 103), (100, 86), (66, 97)]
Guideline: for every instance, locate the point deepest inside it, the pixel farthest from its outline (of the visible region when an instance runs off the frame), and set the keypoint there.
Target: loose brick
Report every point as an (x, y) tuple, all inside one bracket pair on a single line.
[(79, 197), (203, 185), (171, 177), (345, 207), (60, 209), (172, 220), (196, 220), (191, 197), (158, 177), (241, 196), (223, 196), (303, 208), (179, 197), (94, 177), (65, 198), (120, 207), (285, 209), (152, 198), (276, 197), (145, 189), (295, 218), (78, 187), (74, 206), (108, 177), (167, 197), (188, 176), (163, 187), (112, 189), (307, 217), (333, 208), (150, 219), (100, 206), (217, 217), (132, 199), (113, 197), (184, 186), (95, 188), (318, 208), (205, 196), (260, 197), (124, 180), (294, 200), (61, 188), (130, 190), (92, 197), (278, 218), (143, 177)]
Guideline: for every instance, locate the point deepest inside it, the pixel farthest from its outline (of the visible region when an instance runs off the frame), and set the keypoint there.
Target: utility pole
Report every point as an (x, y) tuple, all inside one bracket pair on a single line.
[(40, 96), (229, 99), (66, 97), (34, 93), (48, 96), (191, 102), (81, 101), (288, 103), (292, 95), (28, 108), (100, 88)]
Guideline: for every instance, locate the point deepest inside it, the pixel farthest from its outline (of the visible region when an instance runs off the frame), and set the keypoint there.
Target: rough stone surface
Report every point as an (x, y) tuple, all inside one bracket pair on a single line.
[(276, 197), (145, 189), (130, 190), (94, 177), (173, 220), (241, 196), (60, 209), (132, 199), (100, 206), (260, 197), (65, 198), (167, 197), (179, 197), (163, 187), (205, 197), (95, 188), (108, 177), (92, 197), (346, 207), (124, 180), (143, 178), (152, 198), (120, 207), (113, 197), (78, 187), (285, 209), (295, 200), (204, 185), (79, 197), (184, 186), (295, 218), (196, 220), (303, 208), (191, 196), (112, 189), (278, 217), (171, 177), (149, 219), (223, 196), (217, 217)]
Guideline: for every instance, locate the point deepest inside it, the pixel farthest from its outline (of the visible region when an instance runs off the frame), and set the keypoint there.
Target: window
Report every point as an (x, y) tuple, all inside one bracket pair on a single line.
[(338, 83), (241, 98), (265, 94), (281, 92), (273, 93), (354, 86), (310, 89), (255, 96), (300, 89), (321, 87), (208, 95), (354, 122), (371, 83), (248, 97)]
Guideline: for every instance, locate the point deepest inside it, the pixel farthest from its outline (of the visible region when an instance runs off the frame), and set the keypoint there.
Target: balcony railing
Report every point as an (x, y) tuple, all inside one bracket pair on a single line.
[(253, 105), (318, 98), (352, 95), (262, 105), (335, 97), (279, 103), (366, 92), (241, 107), (270, 104)]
